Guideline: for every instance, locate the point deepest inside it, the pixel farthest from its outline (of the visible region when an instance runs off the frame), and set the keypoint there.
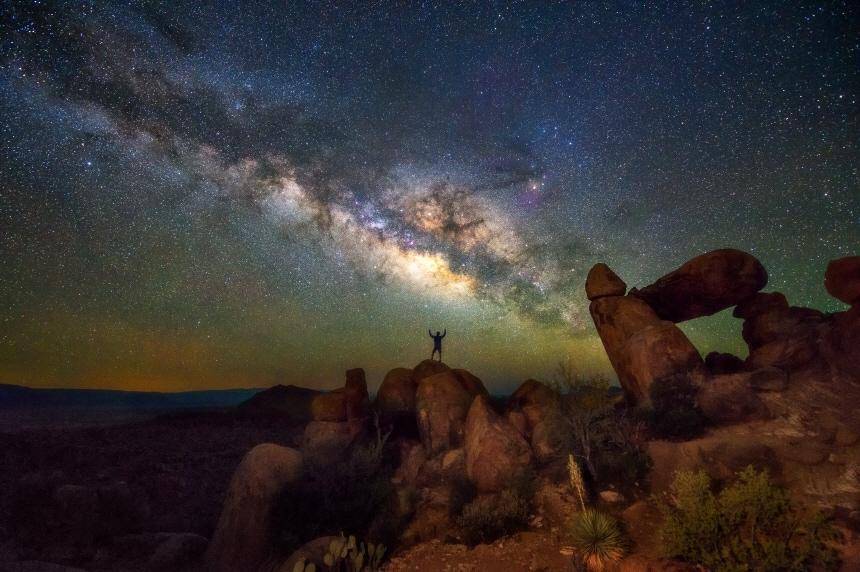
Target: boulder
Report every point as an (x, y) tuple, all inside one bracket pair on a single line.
[(242, 539), (843, 339), (705, 285), (327, 442), (540, 409), (602, 281), (761, 303), (723, 363), (641, 347), (427, 368), (396, 395), (470, 382), (842, 279), (441, 405), (496, 453), (412, 458), (330, 406), (355, 393)]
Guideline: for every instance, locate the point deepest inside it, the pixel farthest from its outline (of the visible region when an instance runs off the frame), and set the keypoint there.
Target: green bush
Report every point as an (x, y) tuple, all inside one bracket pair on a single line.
[(749, 525), (349, 496), (674, 413), (490, 517), (598, 540)]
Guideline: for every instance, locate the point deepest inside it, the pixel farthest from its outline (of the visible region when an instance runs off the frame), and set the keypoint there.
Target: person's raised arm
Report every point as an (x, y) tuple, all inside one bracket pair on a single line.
[(431, 333), (445, 333)]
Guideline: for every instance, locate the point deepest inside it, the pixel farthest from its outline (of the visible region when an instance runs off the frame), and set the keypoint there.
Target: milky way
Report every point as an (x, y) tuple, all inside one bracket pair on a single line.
[(234, 194)]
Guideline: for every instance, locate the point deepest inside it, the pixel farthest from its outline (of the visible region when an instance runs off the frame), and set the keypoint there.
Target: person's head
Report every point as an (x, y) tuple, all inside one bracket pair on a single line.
[(438, 333)]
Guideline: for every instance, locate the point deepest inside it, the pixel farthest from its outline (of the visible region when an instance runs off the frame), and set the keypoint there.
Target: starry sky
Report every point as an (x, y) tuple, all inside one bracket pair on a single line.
[(235, 194)]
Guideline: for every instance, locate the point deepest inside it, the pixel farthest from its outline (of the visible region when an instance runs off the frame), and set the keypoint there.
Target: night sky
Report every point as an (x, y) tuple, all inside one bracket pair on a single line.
[(234, 194)]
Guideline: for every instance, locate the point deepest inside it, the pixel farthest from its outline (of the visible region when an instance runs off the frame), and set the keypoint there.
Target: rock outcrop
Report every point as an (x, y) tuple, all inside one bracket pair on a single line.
[(535, 411), (242, 539), (842, 279), (496, 453), (442, 404), (705, 285), (396, 395), (641, 347), (347, 403)]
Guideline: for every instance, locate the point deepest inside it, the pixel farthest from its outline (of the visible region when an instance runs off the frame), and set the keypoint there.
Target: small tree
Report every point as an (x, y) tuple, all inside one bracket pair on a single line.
[(583, 401)]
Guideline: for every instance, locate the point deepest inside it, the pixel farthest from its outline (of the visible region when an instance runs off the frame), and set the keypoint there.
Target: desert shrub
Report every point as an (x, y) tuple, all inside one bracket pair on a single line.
[(598, 540), (462, 491), (489, 517), (749, 525), (345, 496), (674, 413), (623, 468)]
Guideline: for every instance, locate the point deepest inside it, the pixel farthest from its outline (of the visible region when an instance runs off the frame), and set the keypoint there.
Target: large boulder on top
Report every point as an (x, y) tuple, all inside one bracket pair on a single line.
[(242, 539), (427, 368), (705, 285), (496, 453), (842, 279), (602, 281), (641, 347), (441, 404), (396, 395)]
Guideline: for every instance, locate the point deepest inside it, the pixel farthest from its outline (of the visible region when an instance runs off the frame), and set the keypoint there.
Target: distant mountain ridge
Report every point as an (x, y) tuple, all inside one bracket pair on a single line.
[(21, 397)]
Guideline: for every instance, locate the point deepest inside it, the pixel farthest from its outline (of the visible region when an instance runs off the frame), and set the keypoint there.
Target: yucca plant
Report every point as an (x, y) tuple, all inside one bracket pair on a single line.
[(598, 539), (576, 481)]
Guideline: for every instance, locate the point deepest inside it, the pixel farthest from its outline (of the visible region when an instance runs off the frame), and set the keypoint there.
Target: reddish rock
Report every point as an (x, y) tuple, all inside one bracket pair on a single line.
[(761, 303), (355, 392), (470, 382), (535, 400), (242, 540), (427, 368), (641, 347), (329, 406), (602, 281), (396, 395), (539, 407), (726, 399), (842, 279), (705, 285), (496, 453), (327, 442), (723, 363), (441, 404), (843, 341)]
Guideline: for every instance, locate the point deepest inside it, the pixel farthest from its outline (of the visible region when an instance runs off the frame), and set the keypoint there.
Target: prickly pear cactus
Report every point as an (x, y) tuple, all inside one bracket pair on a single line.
[(346, 554)]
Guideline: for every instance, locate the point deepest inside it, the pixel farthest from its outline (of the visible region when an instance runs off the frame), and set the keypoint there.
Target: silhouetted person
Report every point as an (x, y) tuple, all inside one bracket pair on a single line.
[(437, 343)]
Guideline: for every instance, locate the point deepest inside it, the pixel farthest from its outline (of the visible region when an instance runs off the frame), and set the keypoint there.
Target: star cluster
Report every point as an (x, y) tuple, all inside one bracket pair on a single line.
[(233, 194)]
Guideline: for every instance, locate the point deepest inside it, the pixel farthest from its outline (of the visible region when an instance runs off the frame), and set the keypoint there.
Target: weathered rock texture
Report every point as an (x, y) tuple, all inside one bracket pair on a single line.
[(705, 285), (396, 395), (242, 539), (496, 453), (535, 411), (842, 279), (602, 281), (442, 404), (641, 347)]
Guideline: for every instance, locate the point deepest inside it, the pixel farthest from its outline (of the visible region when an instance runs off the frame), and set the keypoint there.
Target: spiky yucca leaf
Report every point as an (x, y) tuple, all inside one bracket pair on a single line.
[(598, 539), (576, 481)]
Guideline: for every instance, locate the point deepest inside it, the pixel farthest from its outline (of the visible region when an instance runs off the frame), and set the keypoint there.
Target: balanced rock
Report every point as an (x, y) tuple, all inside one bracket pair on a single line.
[(602, 281), (496, 453), (641, 347), (396, 395), (441, 404), (842, 279), (242, 539), (705, 285)]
